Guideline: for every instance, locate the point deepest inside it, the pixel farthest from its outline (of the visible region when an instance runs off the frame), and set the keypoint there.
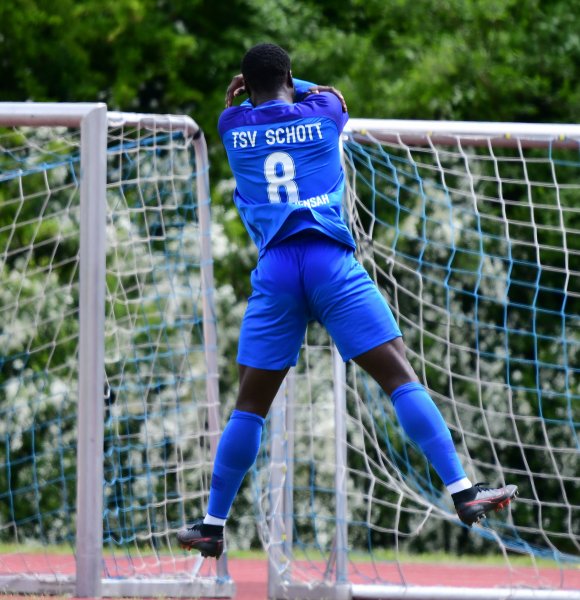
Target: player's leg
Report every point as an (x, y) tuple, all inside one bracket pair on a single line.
[(387, 364), (258, 388), (236, 453), (416, 411), (424, 424), (272, 331), (356, 305), (240, 441), (380, 351)]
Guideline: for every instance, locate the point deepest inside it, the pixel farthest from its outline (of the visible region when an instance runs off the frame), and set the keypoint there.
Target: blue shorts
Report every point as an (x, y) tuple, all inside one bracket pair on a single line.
[(311, 277)]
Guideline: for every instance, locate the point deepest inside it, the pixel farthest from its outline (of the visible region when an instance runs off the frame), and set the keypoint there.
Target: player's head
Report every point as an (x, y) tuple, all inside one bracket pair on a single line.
[(266, 69)]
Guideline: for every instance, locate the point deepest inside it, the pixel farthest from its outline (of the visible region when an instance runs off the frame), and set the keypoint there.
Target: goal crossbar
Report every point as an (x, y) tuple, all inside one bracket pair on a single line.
[(420, 132)]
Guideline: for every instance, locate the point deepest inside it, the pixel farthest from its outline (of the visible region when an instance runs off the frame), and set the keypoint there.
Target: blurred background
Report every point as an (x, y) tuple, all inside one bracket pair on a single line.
[(479, 60)]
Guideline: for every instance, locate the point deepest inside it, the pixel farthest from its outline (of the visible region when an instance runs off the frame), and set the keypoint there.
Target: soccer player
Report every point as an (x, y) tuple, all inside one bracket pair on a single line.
[(283, 146)]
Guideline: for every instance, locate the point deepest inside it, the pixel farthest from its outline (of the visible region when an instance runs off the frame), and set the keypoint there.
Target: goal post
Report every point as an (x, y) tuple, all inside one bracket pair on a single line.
[(109, 382), (471, 231), (92, 258)]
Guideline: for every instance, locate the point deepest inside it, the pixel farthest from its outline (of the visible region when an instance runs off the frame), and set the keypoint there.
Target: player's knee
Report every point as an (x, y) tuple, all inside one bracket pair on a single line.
[(253, 406), (388, 365)]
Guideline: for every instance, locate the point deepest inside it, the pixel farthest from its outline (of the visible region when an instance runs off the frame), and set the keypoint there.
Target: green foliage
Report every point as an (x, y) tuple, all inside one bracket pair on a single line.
[(496, 60), (501, 60)]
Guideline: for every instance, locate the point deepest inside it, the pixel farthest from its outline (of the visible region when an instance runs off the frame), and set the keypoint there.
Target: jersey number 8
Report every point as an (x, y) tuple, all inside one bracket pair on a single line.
[(280, 172)]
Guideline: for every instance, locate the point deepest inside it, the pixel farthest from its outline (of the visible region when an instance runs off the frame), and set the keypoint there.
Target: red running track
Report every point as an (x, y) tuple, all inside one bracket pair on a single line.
[(250, 575)]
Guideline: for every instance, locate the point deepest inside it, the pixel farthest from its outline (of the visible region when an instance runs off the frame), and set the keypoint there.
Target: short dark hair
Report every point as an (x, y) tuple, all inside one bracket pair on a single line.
[(265, 67)]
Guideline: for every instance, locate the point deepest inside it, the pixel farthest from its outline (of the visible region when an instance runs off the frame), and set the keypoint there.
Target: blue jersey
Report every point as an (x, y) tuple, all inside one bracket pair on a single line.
[(286, 162)]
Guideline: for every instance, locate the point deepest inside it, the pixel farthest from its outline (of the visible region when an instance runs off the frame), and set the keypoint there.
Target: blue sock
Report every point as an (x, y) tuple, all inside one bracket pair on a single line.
[(423, 423), (237, 450)]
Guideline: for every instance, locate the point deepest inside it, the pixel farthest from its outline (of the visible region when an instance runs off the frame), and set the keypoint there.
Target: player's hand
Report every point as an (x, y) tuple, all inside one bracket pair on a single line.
[(327, 88), (236, 87)]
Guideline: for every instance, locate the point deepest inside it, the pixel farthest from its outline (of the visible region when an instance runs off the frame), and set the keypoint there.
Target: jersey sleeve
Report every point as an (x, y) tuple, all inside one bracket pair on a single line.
[(301, 88), (327, 104)]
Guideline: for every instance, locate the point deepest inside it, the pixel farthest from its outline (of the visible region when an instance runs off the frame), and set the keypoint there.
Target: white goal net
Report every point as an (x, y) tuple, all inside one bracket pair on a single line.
[(472, 231), (108, 369)]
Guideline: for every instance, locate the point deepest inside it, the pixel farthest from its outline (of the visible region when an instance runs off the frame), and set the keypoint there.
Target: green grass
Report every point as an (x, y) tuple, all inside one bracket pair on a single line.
[(428, 557), (32, 548), (443, 558), (355, 556)]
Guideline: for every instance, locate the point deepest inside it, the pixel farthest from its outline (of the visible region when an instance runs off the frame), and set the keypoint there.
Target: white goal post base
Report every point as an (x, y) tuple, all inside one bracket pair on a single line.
[(124, 588), (459, 593), (397, 592)]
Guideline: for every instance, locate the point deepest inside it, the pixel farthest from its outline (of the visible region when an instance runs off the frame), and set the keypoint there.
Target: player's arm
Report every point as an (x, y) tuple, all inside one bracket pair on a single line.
[(237, 87), (302, 89), (318, 89)]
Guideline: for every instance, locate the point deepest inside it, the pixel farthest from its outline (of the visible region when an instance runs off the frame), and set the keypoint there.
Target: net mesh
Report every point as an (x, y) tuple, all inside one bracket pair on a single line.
[(157, 450), (475, 245)]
